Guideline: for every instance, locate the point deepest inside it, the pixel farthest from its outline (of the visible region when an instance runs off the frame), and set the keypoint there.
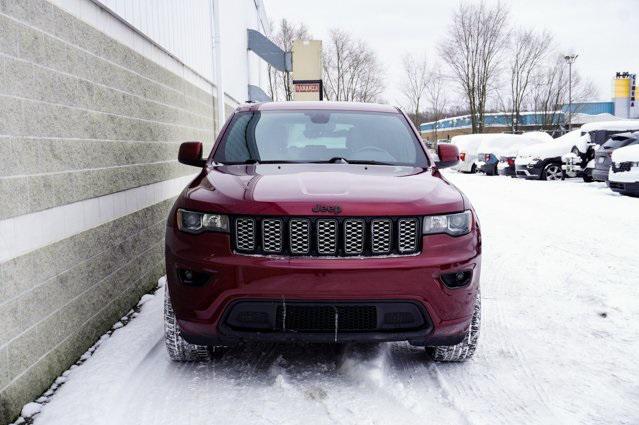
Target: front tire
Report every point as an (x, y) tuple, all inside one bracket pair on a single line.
[(552, 171), (465, 349), (179, 349)]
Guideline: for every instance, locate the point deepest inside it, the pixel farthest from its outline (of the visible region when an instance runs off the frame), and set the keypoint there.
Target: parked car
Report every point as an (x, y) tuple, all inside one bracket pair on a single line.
[(309, 221), (496, 149), (624, 172), (579, 162), (467, 145), (603, 155), (543, 161)]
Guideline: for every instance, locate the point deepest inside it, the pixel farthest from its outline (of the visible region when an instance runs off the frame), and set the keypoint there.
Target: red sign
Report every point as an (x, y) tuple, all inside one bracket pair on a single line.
[(307, 88)]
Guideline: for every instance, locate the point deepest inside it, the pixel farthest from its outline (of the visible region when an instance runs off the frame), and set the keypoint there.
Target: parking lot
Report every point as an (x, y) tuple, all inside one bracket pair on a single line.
[(559, 339)]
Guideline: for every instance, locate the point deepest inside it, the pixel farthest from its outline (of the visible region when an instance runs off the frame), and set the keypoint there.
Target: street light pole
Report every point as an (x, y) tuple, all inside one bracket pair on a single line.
[(570, 59)]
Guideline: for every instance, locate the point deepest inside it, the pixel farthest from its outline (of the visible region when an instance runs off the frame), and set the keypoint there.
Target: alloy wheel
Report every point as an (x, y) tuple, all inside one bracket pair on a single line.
[(553, 172)]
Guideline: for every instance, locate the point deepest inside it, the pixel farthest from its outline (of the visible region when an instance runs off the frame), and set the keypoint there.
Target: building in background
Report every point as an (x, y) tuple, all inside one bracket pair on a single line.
[(95, 99), (624, 95), (622, 106)]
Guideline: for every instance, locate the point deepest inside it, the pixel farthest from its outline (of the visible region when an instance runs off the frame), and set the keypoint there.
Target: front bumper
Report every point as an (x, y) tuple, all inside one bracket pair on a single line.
[(624, 188), (203, 311), (527, 172)]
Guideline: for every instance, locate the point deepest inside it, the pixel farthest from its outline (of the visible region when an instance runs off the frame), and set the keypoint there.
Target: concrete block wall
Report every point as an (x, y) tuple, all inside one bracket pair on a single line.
[(89, 133)]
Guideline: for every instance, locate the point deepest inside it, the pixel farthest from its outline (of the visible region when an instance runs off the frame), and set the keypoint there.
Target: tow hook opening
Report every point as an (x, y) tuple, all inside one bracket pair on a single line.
[(457, 279)]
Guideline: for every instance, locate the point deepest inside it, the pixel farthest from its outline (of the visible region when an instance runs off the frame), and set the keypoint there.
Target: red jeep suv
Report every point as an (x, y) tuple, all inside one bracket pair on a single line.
[(321, 222)]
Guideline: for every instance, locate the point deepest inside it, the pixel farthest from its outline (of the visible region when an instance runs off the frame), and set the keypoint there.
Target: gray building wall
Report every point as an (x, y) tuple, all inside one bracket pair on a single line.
[(81, 116)]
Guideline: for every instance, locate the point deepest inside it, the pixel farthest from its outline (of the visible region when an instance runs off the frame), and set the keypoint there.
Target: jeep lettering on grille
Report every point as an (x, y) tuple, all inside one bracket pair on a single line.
[(335, 209)]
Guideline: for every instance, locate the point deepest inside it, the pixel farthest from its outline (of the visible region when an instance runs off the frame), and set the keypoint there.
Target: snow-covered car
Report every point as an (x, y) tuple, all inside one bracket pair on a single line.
[(624, 172), (542, 161), (496, 149), (579, 162), (603, 155), (467, 145)]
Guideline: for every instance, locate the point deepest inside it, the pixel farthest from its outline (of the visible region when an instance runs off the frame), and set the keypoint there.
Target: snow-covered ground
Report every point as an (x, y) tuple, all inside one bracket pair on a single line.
[(559, 343)]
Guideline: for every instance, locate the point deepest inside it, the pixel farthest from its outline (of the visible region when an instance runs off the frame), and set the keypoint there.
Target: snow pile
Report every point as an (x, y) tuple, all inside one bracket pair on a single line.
[(30, 410), (504, 144), (468, 143), (540, 136), (580, 118), (621, 125)]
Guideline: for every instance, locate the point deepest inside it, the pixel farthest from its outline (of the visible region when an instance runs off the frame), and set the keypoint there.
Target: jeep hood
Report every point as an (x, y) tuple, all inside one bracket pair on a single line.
[(291, 189)]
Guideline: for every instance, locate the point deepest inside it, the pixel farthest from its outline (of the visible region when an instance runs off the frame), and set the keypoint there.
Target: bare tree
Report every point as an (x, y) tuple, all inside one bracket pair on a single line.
[(527, 53), (549, 91), (477, 37), (436, 98), (279, 83), (351, 69), (416, 78)]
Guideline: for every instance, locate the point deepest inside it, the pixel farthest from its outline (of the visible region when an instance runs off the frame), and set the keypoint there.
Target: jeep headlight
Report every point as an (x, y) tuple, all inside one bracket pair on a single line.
[(196, 222), (452, 224)]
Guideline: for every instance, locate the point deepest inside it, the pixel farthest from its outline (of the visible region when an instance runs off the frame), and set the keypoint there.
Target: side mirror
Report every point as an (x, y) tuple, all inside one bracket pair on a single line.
[(191, 154), (448, 155)]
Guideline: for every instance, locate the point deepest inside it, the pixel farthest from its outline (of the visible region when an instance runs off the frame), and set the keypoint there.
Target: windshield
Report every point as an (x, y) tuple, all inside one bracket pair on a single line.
[(320, 136), (619, 142)]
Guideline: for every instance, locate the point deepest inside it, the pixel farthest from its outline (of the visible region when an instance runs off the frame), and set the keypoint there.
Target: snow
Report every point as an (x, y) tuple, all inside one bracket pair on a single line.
[(579, 118), (31, 409), (559, 339), (540, 136), (620, 125), (468, 142), (627, 153), (557, 147), (505, 144)]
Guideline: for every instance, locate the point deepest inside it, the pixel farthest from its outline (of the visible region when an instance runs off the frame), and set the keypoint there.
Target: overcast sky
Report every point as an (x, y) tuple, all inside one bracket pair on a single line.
[(605, 33)]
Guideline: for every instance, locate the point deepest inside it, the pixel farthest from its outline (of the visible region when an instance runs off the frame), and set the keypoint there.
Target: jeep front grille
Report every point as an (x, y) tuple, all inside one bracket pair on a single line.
[(322, 236), (245, 234), (407, 235)]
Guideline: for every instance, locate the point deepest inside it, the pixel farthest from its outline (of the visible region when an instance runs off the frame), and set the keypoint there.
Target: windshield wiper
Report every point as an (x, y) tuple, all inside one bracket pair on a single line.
[(340, 160), (253, 161), (368, 162)]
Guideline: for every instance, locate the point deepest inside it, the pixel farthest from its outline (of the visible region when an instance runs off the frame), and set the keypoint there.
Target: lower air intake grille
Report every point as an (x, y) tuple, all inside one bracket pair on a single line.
[(322, 318)]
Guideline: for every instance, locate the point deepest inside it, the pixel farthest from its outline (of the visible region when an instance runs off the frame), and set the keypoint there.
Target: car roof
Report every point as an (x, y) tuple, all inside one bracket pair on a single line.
[(335, 106)]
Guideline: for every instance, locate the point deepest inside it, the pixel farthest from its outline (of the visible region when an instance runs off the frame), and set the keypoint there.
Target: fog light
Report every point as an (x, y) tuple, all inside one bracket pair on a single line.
[(193, 278), (457, 279)]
